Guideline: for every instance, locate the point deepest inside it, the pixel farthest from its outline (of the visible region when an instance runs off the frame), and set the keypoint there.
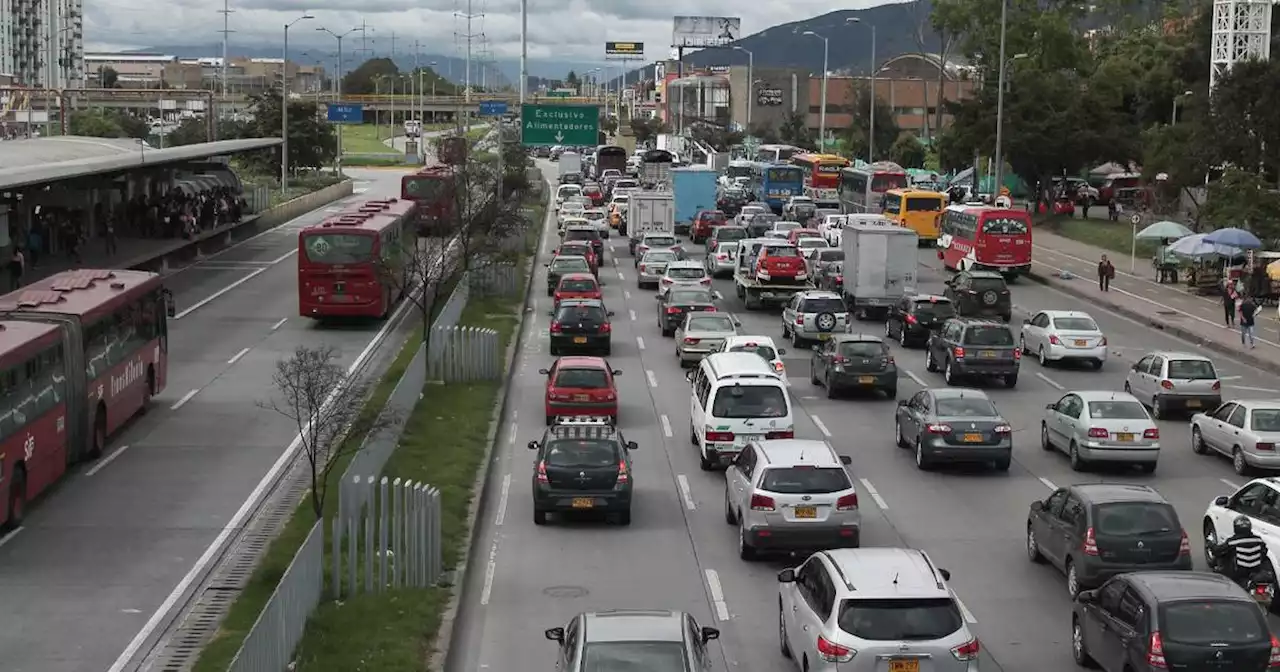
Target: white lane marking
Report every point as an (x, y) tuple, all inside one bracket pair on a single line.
[(1048, 483), (621, 276), (250, 503), (875, 495), (236, 357), (964, 611), (185, 398), (717, 595), (106, 460), (914, 378), (686, 493), (499, 519), (626, 295), (1230, 377), (653, 380), (279, 324), (1229, 484), (821, 427), (1253, 389), (9, 537), (209, 299), (490, 570), (1052, 383), (717, 294), (282, 257), (640, 342), (632, 315), (666, 426)]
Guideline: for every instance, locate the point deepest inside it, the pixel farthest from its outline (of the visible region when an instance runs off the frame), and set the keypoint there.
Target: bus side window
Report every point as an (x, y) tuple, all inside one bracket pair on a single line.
[(8, 392)]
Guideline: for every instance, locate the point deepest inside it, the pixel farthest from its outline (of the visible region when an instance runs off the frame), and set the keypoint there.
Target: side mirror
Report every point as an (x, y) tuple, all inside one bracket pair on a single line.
[(787, 576), (737, 323), (688, 375), (946, 574), (632, 445), (1026, 322), (555, 634), (902, 403), (170, 308), (545, 372), (1048, 407), (1134, 367), (1086, 596), (533, 445), (846, 460), (1221, 500), (709, 634), (1037, 505), (782, 351), (617, 372)]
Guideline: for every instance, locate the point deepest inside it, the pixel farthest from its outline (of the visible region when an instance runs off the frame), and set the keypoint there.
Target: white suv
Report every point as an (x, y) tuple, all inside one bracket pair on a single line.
[(1258, 499), (791, 495), (854, 610)]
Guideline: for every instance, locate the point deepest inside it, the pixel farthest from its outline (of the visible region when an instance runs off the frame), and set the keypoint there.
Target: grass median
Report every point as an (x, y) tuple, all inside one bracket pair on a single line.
[(1113, 236)]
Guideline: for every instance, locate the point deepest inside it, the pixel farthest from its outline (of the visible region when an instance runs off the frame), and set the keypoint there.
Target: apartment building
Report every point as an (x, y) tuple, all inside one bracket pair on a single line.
[(42, 42)]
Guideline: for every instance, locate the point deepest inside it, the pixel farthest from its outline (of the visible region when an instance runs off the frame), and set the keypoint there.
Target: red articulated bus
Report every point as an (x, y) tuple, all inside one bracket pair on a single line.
[(354, 263), (432, 189), (81, 353), (979, 237)]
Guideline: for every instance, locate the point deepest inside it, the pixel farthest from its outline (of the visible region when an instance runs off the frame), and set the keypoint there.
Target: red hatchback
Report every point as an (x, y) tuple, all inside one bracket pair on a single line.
[(797, 234), (595, 194), (704, 222), (780, 263), (577, 286), (581, 386)]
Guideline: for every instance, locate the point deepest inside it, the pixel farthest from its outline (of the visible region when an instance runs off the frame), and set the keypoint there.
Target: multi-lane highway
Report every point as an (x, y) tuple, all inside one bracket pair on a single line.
[(679, 554), (103, 552)]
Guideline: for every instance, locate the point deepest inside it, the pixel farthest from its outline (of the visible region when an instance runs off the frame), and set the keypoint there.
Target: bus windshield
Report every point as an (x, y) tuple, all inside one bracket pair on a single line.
[(338, 248), (786, 175), (416, 187)]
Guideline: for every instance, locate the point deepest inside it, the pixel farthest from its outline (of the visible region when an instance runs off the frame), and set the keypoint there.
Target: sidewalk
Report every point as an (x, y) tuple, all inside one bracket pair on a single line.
[(1136, 295)]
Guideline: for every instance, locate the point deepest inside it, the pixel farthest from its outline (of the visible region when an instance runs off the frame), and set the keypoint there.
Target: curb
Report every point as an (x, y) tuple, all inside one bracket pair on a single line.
[(444, 641), (1243, 356)]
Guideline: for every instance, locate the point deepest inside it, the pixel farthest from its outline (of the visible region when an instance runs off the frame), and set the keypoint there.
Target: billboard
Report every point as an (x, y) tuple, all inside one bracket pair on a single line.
[(705, 31), (626, 49), (768, 97)]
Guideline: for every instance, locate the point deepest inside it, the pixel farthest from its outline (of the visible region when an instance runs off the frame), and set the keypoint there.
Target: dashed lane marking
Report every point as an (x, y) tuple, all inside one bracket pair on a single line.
[(1253, 389), (686, 494), (621, 276), (626, 295), (666, 426), (1229, 484), (640, 342), (914, 378), (501, 517), (1048, 483), (653, 380), (236, 357), (875, 494), (183, 401), (821, 427), (717, 595), (632, 314), (279, 324), (102, 463), (1052, 383), (490, 570)]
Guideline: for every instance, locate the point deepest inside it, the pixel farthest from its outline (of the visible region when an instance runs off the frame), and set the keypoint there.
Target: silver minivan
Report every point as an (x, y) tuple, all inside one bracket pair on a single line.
[(1174, 382)]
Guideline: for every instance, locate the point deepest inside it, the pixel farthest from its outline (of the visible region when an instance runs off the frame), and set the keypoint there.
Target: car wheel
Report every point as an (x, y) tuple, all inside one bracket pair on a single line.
[(745, 551), (1126, 388), (539, 517), (624, 518), (704, 461), (1238, 463), (1022, 345), (813, 374), (1077, 462), (902, 337), (1044, 361), (1080, 652), (929, 365), (922, 462), (897, 434), (1033, 546), (782, 632), (1198, 446), (1003, 463), (796, 341), (1011, 380), (891, 393), (728, 510), (1157, 408), (550, 419), (1147, 467), (949, 375), (1073, 579), (1045, 443)]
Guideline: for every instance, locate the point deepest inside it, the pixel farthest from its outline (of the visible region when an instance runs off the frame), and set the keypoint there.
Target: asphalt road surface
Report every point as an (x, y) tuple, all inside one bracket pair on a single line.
[(102, 552), (679, 554)]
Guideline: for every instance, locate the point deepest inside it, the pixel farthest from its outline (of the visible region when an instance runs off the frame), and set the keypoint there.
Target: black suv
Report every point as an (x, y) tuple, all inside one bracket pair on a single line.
[(912, 319), (966, 347), (582, 325), (980, 294), (850, 362), (583, 465)]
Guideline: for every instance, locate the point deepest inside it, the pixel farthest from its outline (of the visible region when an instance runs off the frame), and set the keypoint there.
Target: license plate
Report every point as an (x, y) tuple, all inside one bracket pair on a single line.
[(866, 380), (973, 438), (1124, 436), (742, 439), (1193, 403), (823, 337), (806, 512), (1080, 343), (987, 354), (579, 339), (582, 397), (583, 502), (912, 665)]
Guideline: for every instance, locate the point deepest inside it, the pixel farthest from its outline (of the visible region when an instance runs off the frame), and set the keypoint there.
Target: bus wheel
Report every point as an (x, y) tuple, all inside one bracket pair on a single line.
[(99, 440), (17, 499)]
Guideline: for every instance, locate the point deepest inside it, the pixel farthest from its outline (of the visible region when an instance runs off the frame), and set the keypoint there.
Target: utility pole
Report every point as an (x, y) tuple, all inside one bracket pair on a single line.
[(364, 39), (391, 127), (226, 13), (524, 49), (469, 36)]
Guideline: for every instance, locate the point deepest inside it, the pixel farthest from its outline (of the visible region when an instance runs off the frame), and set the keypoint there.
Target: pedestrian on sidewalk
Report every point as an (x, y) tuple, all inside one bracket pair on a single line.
[(1247, 311), (1106, 273), (1228, 302)]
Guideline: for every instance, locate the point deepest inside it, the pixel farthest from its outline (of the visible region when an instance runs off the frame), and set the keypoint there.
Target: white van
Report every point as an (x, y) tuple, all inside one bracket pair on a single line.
[(736, 398)]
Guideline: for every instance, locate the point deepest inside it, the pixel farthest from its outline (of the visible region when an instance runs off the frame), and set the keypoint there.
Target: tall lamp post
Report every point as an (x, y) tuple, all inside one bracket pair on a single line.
[(1185, 94), (822, 100), (337, 84), (751, 82), (871, 95), (284, 106), (999, 158)]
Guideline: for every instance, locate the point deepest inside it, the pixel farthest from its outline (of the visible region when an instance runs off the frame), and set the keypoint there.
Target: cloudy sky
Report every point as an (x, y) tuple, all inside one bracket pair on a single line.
[(561, 31)]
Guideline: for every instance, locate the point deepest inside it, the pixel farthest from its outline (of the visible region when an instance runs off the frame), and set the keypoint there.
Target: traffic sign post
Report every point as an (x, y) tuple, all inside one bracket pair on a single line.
[(493, 108), (559, 125), (345, 113)]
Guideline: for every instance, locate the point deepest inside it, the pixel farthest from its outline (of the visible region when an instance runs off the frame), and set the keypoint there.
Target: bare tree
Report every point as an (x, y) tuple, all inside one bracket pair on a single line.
[(315, 393)]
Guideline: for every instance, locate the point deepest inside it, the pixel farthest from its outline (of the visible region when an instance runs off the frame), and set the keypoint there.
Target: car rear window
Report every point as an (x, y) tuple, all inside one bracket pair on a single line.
[(682, 297), (811, 242), (1135, 519), (660, 241), (731, 234), (924, 204), (939, 309), (710, 322), (981, 285), (574, 314), (581, 234), (750, 401), (992, 336), (591, 379), (786, 226), (1191, 369), (1265, 420), (579, 453), (577, 285), (804, 480), (570, 266), (965, 407), (1075, 324), (904, 620), (824, 305), (634, 657), (1117, 410), (831, 255), (780, 251), (765, 352), (1207, 622), (727, 248), (862, 349), (686, 273)]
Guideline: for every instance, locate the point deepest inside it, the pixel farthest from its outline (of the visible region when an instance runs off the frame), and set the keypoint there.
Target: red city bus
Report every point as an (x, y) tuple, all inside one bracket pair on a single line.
[(354, 263), (979, 237), (821, 171), (432, 189), (81, 353)]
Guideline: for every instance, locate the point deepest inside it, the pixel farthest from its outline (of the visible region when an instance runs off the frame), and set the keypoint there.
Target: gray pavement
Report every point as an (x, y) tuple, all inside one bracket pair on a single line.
[(679, 554), (102, 552)]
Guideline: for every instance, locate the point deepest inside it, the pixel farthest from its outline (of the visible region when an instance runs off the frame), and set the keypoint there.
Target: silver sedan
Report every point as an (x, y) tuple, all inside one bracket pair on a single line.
[(652, 266), (702, 334), (1246, 430), (1101, 426), (1061, 335)]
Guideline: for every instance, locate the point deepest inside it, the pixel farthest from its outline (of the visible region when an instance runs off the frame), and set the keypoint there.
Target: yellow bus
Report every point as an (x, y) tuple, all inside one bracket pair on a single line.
[(915, 210)]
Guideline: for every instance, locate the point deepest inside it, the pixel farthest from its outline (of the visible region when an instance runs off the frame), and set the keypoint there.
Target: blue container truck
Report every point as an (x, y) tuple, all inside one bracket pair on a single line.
[(695, 191)]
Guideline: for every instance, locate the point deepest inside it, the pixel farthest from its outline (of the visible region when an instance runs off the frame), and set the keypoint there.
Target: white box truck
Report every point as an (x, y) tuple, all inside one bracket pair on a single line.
[(570, 168), (650, 212), (879, 266)]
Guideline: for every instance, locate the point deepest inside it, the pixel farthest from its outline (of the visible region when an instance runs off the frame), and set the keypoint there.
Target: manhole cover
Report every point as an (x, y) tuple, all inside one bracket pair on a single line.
[(565, 592)]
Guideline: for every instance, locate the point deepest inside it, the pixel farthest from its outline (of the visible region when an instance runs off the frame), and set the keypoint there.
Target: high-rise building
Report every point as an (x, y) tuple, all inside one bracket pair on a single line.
[(42, 42)]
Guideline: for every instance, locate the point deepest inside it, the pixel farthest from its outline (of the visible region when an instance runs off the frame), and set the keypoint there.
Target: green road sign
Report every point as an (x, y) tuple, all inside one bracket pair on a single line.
[(559, 94), (559, 124)]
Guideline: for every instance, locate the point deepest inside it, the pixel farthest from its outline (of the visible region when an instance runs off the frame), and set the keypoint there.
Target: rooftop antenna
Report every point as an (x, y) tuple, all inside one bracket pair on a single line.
[(895, 578)]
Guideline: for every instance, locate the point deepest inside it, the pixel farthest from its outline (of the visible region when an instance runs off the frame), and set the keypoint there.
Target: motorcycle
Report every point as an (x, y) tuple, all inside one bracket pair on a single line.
[(1261, 585)]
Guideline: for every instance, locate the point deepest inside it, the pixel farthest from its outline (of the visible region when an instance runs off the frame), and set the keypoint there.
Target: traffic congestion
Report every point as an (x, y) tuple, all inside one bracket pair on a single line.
[(842, 438)]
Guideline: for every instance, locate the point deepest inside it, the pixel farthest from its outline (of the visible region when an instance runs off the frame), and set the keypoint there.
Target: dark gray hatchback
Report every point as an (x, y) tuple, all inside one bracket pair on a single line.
[(854, 362)]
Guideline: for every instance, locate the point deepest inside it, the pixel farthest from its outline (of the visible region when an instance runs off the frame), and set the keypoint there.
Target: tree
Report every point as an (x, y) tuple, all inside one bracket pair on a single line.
[(571, 80), (715, 137), (856, 134), (647, 129), (1180, 153), (190, 132), (312, 140), (326, 406), (94, 124), (794, 130), (108, 77), (609, 125), (907, 151), (1242, 198), (766, 133), (363, 80), (1246, 99)]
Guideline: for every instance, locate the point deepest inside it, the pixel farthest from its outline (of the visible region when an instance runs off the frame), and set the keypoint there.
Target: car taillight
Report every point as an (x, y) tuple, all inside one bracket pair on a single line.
[(1275, 652), (832, 652), (799, 321), (705, 281), (610, 396), (840, 279), (673, 310), (1090, 545), (967, 651), (838, 359), (690, 341), (1155, 651), (847, 503), (762, 503), (1184, 546), (958, 352), (1269, 447), (780, 434), (1152, 433), (722, 257), (1102, 342), (911, 319), (642, 269), (1054, 340), (1003, 429), (719, 437), (1098, 433), (780, 367), (938, 429), (622, 475), (1217, 385), (606, 328), (555, 327), (1017, 353), (667, 281), (1166, 385), (542, 472), (557, 296)]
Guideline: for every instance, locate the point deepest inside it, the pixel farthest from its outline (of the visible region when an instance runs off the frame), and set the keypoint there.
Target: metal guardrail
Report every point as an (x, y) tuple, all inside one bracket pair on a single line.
[(270, 643)]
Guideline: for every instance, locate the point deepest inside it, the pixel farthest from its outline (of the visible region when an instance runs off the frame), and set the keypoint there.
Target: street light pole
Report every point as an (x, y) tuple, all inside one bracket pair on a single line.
[(1174, 120), (284, 107), (337, 85), (871, 94), (999, 168), (751, 82), (822, 115)]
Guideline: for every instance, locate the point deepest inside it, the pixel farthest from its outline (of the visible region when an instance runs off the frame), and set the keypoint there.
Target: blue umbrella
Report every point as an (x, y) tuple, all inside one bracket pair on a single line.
[(1198, 247), (1234, 238)]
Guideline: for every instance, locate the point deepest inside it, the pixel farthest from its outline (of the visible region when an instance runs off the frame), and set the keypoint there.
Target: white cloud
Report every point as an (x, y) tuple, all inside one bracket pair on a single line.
[(565, 32)]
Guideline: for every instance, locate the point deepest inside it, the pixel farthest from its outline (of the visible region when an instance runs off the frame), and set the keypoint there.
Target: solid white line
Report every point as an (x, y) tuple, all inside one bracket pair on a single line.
[(106, 460), (185, 398), (1052, 383), (1048, 483), (653, 380), (282, 257), (632, 314), (236, 357), (964, 611), (9, 537), (666, 426), (871, 490), (717, 595), (214, 550), (685, 492), (502, 501), (915, 378), (490, 569), (279, 324), (1231, 485), (208, 299), (1230, 377), (821, 427), (640, 342)]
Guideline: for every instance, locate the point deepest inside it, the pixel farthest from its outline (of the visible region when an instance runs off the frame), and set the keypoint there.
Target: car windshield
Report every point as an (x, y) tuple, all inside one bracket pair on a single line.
[(574, 314), (750, 401), (1133, 519), (826, 304), (338, 248), (1191, 369), (585, 378), (1075, 324), (580, 453), (710, 323), (1212, 622), (570, 266), (805, 480), (935, 309), (765, 352), (781, 251), (578, 285), (965, 407), (992, 336), (687, 296), (1265, 420), (981, 285), (686, 273), (907, 619), (661, 256), (634, 657), (660, 241), (1117, 410), (861, 349)]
